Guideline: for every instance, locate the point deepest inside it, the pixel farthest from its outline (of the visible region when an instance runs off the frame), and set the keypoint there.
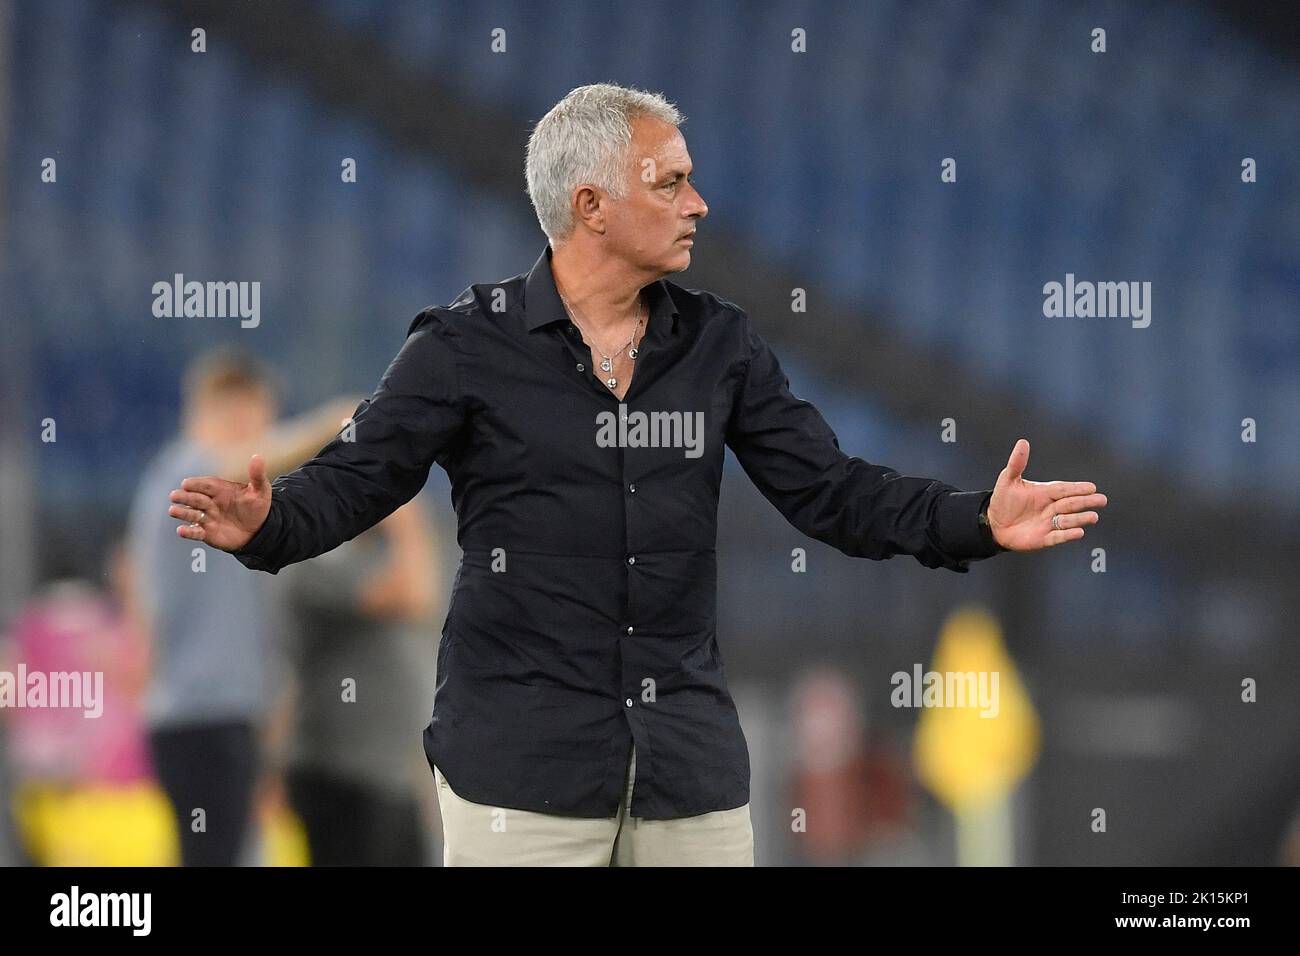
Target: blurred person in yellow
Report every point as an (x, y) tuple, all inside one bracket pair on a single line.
[(214, 662), (85, 794)]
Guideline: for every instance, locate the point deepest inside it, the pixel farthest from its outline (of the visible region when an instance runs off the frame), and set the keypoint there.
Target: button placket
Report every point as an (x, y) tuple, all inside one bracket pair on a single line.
[(578, 354), (631, 560)]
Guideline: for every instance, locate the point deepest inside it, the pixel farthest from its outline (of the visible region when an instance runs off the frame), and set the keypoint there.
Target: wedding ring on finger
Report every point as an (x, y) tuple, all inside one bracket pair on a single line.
[(1056, 519)]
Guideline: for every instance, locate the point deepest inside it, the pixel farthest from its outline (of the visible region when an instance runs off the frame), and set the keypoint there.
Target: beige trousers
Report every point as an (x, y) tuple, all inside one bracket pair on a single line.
[(474, 834)]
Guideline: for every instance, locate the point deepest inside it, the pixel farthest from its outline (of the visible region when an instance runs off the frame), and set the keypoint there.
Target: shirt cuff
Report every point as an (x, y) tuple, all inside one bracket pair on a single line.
[(985, 529), (957, 520), (255, 554)]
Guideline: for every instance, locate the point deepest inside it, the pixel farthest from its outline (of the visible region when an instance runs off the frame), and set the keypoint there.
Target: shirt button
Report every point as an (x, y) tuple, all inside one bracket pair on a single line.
[(631, 559), (581, 367), (573, 330), (632, 487), (629, 628), (629, 701)]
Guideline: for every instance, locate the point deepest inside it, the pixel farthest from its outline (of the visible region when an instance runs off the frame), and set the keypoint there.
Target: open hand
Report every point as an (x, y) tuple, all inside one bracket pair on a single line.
[(1020, 512), (224, 514)]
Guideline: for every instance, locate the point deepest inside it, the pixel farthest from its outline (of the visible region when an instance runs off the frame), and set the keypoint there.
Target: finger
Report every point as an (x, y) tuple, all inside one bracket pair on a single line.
[(192, 499), (1018, 460), (187, 514), (257, 474), (1061, 537), (207, 485), (1077, 520), (1063, 489), (192, 531), (1081, 503)]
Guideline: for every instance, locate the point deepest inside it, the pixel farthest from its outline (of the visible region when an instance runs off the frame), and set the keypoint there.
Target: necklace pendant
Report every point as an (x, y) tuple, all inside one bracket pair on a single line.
[(611, 381), (632, 352), (604, 365)]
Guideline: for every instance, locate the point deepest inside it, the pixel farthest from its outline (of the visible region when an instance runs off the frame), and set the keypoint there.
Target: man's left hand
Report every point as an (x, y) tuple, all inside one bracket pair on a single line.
[(1020, 512)]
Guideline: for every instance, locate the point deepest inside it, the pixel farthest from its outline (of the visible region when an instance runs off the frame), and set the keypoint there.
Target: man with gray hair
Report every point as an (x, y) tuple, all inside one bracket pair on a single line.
[(582, 715)]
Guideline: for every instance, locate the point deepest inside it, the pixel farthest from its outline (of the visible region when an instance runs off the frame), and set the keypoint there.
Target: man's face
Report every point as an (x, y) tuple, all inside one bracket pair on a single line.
[(662, 206)]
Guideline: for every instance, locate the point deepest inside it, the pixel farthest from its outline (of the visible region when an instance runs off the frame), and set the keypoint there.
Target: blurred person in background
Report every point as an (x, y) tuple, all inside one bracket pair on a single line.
[(854, 789), (85, 793), (213, 671), (359, 619)]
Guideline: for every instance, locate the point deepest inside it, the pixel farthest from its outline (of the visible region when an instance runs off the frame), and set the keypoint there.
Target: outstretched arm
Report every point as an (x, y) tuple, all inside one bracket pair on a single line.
[(358, 479), (867, 510)]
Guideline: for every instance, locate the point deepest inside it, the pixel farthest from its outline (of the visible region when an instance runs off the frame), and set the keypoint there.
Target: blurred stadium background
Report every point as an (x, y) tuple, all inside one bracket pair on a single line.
[(925, 302)]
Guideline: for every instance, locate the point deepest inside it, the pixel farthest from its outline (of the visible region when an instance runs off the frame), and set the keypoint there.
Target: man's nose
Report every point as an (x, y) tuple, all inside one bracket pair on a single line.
[(699, 209)]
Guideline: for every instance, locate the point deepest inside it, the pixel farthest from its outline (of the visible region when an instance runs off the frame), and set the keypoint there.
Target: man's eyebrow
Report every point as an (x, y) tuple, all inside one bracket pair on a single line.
[(680, 173)]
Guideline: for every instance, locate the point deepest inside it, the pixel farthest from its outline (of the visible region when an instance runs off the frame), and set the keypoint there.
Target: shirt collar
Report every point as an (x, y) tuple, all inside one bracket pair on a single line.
[(542, 303)]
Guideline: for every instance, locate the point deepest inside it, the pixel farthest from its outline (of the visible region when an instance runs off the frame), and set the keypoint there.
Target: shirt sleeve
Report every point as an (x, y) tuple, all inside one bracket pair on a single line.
[(351, 485), (864, 510)]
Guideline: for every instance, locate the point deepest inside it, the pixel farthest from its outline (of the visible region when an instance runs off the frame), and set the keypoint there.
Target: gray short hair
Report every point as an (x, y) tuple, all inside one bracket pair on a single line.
[(585, 138)]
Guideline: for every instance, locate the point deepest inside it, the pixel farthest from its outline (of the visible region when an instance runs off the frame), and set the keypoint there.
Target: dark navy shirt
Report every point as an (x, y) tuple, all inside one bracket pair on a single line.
[(583, 616)]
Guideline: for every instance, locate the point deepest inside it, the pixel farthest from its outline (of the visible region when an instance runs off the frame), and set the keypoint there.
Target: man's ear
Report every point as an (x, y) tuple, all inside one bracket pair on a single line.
[(589, 208)]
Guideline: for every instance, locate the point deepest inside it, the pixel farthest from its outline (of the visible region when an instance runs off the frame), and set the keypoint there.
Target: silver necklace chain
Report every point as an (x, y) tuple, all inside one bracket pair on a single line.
[(607, 361)]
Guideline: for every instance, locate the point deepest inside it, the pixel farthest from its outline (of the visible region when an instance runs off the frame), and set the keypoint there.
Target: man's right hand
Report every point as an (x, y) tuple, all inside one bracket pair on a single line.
[(224, 514)]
